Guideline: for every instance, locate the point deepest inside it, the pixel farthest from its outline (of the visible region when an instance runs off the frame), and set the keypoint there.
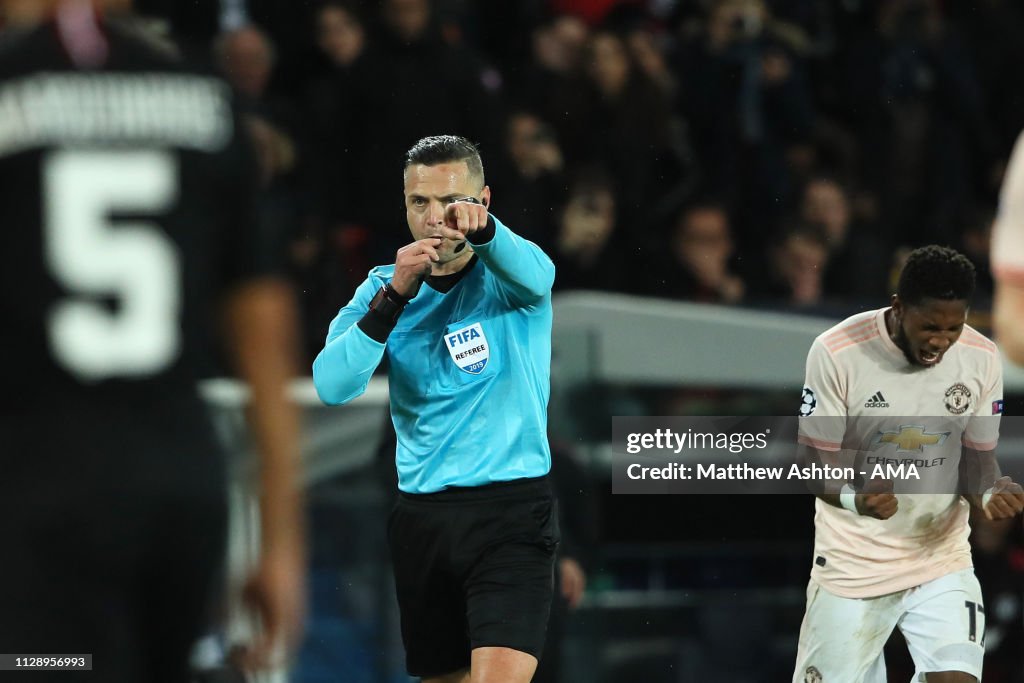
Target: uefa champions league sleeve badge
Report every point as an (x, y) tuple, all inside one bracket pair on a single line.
[(808, 402)]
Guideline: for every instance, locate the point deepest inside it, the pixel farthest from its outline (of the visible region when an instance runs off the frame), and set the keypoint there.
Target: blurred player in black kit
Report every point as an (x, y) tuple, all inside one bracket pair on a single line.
[(127, 192)]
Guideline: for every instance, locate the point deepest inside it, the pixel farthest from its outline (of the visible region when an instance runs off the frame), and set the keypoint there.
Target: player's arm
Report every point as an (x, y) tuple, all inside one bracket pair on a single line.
[(876, 499), (997, 496), (1008, 313), (873, 499), (261, 323), (821, 430), (981, 480), (355, 345), (523, 271), (1008, 258)]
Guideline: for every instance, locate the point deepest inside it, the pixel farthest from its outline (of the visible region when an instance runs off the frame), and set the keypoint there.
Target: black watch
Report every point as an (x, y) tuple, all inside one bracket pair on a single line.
[(388, 303)]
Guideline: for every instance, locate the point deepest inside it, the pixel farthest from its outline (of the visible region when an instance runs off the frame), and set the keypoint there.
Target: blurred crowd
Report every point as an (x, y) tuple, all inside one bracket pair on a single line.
[(780, 153)]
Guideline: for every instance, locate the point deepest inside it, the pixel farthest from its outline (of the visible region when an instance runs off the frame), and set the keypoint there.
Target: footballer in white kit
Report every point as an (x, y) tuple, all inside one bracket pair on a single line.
[(911, 384), (1008, 258)]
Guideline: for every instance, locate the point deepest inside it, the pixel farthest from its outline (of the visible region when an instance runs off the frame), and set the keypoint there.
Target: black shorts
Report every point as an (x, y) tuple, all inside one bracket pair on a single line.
[(113, 539), (473, 568)]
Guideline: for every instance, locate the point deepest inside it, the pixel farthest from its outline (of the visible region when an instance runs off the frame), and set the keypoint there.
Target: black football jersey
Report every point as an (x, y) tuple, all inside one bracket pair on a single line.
[(127, 194)]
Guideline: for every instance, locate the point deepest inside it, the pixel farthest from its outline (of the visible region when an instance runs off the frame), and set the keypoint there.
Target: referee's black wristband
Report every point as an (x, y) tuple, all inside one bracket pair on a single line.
[(484, 234), (381, 318), (391, 294)]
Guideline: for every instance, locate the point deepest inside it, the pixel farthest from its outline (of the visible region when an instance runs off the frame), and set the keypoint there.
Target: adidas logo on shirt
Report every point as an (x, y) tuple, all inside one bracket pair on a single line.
[(877, 401)]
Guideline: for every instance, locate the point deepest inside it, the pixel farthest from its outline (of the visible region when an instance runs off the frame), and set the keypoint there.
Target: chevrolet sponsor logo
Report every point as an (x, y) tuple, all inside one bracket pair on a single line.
[(909, 438)]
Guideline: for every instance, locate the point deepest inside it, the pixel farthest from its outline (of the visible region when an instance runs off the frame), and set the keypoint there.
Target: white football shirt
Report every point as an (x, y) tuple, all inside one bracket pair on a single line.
[(870, 406)]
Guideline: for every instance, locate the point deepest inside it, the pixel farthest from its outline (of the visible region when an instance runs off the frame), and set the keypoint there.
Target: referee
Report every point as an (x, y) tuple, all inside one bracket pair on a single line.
[(464, 317)]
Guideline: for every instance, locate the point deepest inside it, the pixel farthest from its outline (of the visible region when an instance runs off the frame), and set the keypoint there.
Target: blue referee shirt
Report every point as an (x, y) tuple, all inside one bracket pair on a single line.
[(469, 369)]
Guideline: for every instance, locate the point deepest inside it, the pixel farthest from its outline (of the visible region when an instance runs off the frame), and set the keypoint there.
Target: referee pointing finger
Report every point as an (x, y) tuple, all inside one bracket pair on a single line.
[(464, 317)]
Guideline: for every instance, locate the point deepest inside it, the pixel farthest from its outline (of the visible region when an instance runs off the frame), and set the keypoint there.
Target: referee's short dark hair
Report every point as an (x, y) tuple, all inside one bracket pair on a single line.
[(935, 272), (441, 149)]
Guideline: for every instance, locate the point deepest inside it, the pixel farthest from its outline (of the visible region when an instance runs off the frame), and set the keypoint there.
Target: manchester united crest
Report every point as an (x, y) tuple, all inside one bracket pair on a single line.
[(958, 399)]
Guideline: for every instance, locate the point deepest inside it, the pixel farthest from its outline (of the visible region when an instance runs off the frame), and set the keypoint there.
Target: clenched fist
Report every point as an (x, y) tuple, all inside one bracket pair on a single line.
[(1007, 499), (877, 500), (412, 264)]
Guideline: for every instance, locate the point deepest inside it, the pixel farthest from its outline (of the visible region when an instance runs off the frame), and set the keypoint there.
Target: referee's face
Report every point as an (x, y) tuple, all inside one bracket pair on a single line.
[(428, 191)]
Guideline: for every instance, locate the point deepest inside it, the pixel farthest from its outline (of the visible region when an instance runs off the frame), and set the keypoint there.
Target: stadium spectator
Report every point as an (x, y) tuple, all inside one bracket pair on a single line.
[(530, 172), (990, 32), (698, 264), (975, 242), (914, 101), (743, 92), (644, 46), (552, 83), (856, 270), (340, 34), (246, 58), (593, 12), (630, 126), (798, 263), (329, 107), (591, 250), (331, 253)]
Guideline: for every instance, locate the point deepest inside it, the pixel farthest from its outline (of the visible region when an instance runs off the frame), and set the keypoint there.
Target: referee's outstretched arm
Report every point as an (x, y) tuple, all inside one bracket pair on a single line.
[(522, 271)]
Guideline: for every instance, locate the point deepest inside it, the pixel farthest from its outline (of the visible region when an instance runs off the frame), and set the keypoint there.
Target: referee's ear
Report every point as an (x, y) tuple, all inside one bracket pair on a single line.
[(485, 197)]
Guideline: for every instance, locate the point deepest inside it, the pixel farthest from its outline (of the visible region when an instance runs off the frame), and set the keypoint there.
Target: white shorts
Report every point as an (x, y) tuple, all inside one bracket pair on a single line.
[(943, 621)]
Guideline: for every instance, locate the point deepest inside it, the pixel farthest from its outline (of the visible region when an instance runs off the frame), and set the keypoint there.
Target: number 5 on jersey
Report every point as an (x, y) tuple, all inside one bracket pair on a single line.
[(91, 257)]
